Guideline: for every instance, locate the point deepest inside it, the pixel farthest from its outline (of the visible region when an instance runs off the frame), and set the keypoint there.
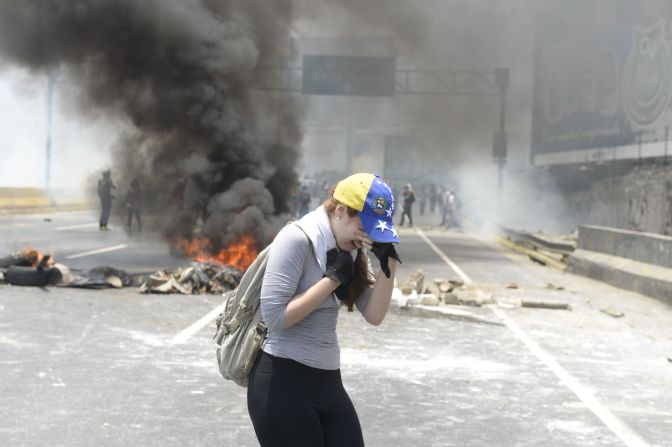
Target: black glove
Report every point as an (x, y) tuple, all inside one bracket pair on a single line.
[(340, 266), (383, 252), (342, 292)]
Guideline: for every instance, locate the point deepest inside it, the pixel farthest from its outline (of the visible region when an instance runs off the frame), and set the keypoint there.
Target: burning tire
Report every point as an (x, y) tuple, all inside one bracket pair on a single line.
[(30, 276)]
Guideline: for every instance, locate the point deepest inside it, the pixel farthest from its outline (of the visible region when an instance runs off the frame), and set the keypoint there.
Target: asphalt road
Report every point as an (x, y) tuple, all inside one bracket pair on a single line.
[(101, 367)]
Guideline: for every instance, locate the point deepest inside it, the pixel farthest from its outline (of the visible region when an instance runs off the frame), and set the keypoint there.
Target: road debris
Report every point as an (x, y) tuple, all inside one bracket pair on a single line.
[(551, 286), (195, 279), (414, 283), (450, 298), (612, 312), (25, 258), (505, 304), (443, 285), (97, 278), (512, 285), (545, 304)]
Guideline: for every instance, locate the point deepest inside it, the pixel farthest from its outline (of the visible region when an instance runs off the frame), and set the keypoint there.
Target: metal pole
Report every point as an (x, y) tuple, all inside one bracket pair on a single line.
[(51, 80), (500, 140), (667, 134)]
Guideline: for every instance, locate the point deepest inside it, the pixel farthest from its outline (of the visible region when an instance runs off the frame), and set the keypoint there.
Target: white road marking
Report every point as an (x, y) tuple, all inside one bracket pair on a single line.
[(198, 325), (76, 227), (95, 252), (629, 437), (445, 258), (620, 428)]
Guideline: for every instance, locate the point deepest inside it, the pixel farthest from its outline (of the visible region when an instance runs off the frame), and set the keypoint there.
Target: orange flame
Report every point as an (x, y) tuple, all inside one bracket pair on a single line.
[(240, 254), (34, 256)]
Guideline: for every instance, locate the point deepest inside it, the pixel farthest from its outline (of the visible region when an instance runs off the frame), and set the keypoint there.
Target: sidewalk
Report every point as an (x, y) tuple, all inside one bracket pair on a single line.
[(14, 201)]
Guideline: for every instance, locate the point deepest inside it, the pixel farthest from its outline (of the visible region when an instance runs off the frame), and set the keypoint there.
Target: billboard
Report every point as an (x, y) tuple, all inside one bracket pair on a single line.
[(349, 75), (599, 91)]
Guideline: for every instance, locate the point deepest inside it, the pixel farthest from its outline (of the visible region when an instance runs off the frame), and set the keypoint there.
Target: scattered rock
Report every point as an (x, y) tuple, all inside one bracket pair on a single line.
[(504, 304), (456, 282), (450, 298), (512, 285), (612, 312), (545, 304), (669, 359), (552, 286), (429, 299), (444, 285), (114, 281), (415, 282)]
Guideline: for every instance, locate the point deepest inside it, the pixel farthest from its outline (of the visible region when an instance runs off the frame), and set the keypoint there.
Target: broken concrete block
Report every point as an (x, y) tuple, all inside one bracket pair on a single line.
[(443, 285), (545, 304), (415, 282), (429, 299), (612, 312), (504, 304), (408, 288), (456, 282), (450, 298)]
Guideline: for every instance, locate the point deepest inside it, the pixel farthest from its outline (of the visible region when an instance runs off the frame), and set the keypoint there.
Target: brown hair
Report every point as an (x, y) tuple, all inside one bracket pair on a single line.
[(360, 280)]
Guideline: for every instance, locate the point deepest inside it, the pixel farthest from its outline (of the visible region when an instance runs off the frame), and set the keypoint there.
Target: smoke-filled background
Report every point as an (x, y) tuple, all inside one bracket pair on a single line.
[(172, 87)]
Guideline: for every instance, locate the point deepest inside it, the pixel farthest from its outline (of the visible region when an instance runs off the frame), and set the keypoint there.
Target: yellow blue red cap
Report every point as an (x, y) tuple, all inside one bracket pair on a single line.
[(374, 200)]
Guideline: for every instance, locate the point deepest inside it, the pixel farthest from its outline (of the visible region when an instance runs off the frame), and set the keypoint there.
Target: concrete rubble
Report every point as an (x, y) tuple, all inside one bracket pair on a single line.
[(612, 312), (450, 293)]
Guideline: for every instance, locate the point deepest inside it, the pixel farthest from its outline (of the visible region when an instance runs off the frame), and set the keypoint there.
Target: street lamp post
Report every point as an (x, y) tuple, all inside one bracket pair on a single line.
[(499, 145), (52, 75)]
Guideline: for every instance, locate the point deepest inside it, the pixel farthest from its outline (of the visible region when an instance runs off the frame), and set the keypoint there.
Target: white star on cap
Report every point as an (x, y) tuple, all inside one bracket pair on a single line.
[(382, 226), (394, 231), (389, 213)]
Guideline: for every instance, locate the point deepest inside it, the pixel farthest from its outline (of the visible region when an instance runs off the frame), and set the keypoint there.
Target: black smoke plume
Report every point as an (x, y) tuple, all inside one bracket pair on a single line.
[(178, 73)]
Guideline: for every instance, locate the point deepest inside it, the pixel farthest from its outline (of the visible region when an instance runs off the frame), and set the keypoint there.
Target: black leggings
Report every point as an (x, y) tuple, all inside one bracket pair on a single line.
[(292, 404)]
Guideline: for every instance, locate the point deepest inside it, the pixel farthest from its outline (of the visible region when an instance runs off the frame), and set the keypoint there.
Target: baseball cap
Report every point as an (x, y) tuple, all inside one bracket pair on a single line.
[(371, 196)]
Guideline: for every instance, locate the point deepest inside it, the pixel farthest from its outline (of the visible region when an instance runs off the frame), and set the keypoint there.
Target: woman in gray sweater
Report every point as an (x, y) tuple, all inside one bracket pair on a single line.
[(295, 395)]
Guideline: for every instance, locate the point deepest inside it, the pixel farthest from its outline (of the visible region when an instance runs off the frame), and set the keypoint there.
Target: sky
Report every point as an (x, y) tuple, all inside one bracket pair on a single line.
[(79, 146)]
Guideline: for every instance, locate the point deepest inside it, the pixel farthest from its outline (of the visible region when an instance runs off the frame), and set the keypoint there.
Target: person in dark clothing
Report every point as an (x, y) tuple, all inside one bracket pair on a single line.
[(407, 209), (105, 187), (423, 200), (303, 200), (133, 204), (433, 198)]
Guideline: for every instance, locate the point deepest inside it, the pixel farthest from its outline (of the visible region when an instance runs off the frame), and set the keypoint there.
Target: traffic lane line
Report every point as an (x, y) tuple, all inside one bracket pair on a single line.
[(95, 252), (199, 324), (445, 258), (629, 437), (77, 227)]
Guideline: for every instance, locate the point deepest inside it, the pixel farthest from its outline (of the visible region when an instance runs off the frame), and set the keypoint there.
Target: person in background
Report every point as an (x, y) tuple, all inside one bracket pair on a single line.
[(304, 200), (295, 395), (423, 200), (433, 197), (448, 209), (407, 210), (105, 187), (133, 204)]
